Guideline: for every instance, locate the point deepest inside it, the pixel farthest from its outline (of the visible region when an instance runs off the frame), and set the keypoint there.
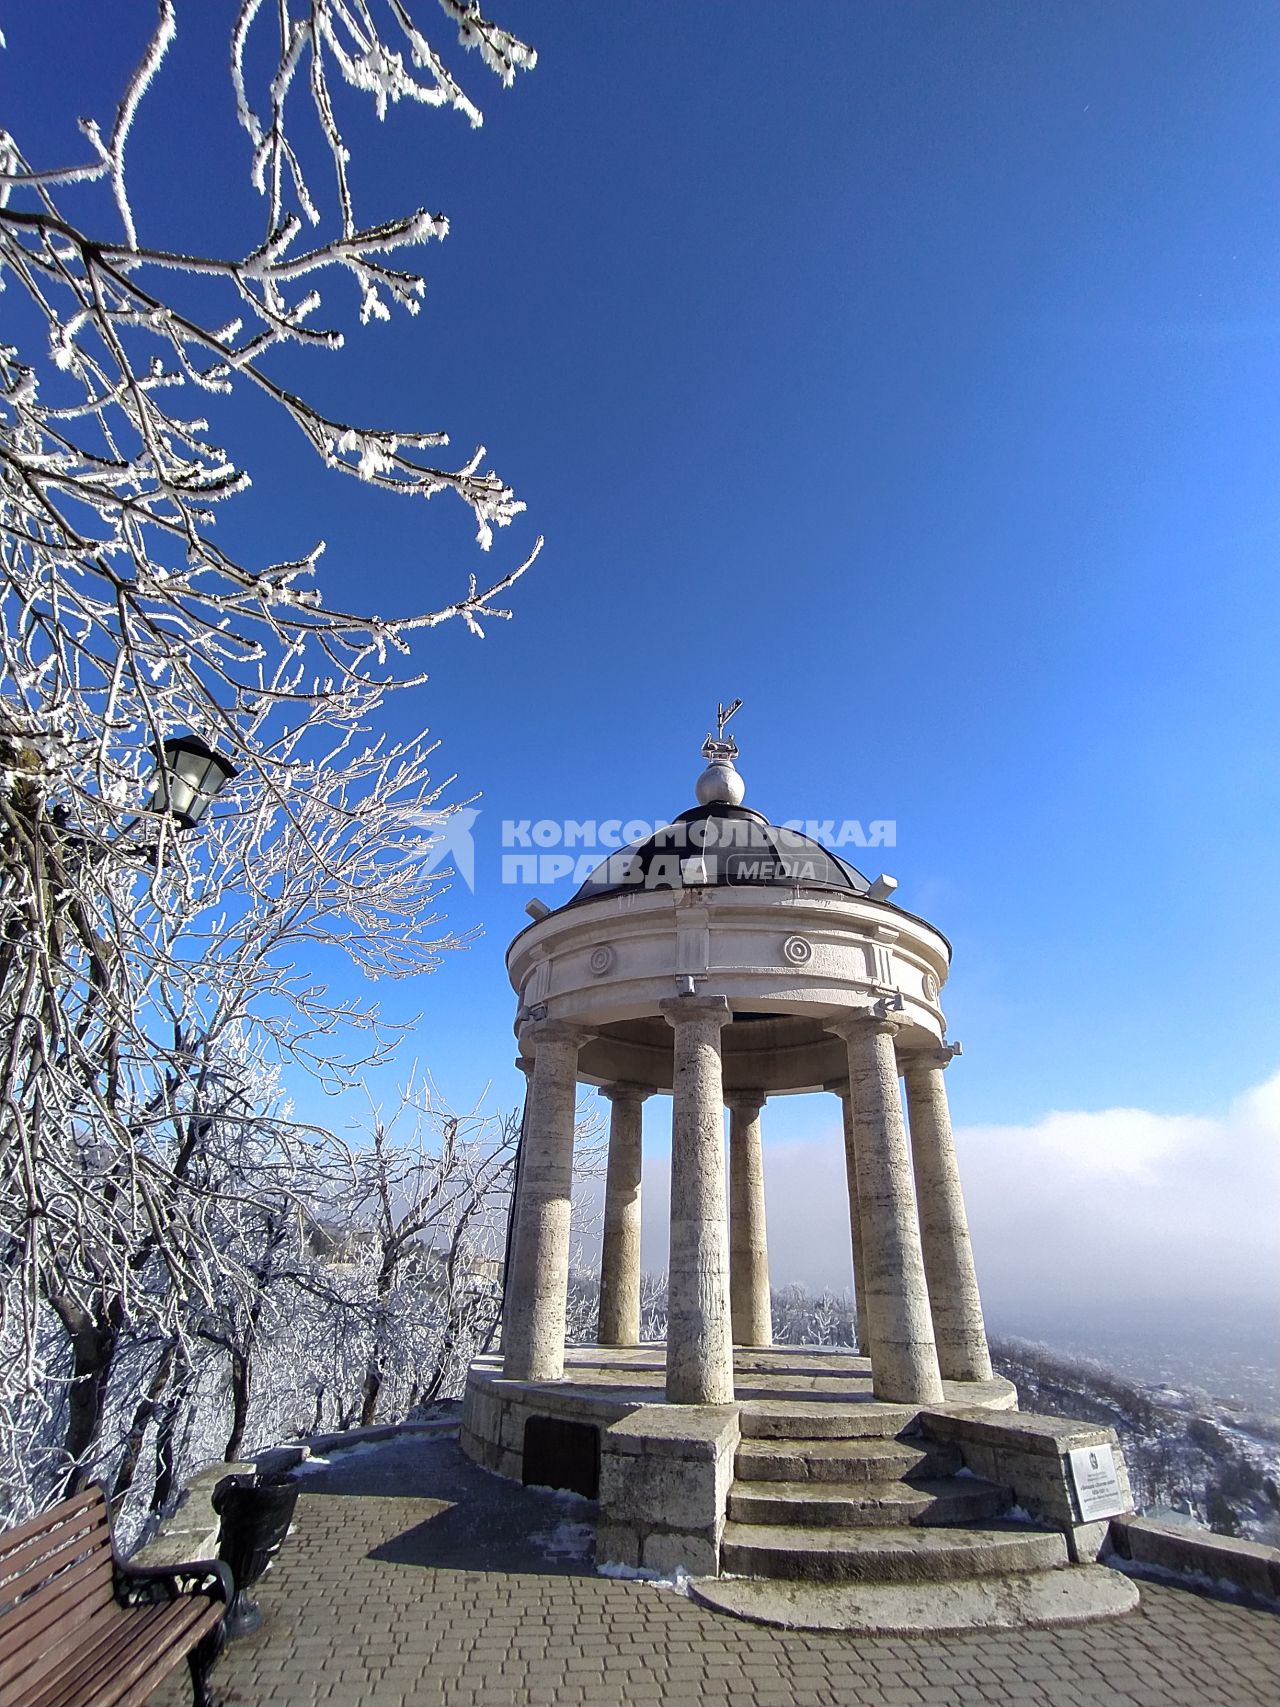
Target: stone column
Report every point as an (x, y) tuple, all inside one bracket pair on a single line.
[(538, 1284), (841, 1088), (752, 1312), (699, 1334), (944, 1228), (620, 1251), (525, 1064), (904, 1359)]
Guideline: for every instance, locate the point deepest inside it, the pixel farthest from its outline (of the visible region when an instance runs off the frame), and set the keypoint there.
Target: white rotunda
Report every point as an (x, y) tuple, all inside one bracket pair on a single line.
[(726, 961)]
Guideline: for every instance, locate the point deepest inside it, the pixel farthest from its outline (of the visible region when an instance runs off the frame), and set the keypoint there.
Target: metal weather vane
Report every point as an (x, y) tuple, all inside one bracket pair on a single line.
[(717, 746)]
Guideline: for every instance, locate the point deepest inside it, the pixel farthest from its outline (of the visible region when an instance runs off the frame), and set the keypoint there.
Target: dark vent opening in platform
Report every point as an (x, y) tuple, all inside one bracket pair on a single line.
[(559, 1454)]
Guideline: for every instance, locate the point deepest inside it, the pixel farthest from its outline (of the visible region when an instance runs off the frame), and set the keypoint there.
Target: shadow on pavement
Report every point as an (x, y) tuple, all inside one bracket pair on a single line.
[(451, 1540), (472, 1519)]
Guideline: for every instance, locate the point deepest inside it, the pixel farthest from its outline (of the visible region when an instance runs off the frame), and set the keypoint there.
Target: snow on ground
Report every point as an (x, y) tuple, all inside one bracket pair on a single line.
[(678, 1581), (307, 1465), (566, 1540), (571, 1538)]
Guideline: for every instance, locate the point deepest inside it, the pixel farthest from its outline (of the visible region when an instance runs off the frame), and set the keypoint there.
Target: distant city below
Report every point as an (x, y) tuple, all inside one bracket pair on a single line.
[(1229, 1351)]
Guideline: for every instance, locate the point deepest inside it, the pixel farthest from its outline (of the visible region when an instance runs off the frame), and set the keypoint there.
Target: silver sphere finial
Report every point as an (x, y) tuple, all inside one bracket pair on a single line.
[(720, 784)]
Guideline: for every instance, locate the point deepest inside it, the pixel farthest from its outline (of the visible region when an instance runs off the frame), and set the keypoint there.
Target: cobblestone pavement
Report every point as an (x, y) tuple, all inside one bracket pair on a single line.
[(415, 1580)]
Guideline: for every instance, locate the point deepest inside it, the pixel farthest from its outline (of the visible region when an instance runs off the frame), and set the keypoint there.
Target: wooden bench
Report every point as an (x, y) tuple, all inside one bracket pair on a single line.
[(80, 1629)]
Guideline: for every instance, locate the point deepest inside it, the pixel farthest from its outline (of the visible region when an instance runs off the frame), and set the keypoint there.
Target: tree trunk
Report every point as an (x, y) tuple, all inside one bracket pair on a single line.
[(369, 1395), (373, 1370), (94, 1339), (144, 1411), (241, 1392)]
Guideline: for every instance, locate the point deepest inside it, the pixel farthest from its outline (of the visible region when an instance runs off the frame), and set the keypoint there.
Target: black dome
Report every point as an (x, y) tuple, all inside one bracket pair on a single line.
[(733, 846)]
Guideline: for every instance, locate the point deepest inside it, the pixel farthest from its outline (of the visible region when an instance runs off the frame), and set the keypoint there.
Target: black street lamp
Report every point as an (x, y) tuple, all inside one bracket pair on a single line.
[(189, 776)]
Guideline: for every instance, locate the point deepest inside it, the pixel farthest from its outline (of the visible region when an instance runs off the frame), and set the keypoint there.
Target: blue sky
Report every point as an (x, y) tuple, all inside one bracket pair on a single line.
[(910, 370)]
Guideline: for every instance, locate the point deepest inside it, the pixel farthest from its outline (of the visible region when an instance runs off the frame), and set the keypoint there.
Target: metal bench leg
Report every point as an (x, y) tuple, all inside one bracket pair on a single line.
[(200, 1663)]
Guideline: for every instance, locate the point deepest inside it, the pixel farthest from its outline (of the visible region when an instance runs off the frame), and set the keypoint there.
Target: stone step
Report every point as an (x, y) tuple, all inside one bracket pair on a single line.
[(908, 1554), (783, 1419), (850, 1505), (1039, 1599), (878, 1460)]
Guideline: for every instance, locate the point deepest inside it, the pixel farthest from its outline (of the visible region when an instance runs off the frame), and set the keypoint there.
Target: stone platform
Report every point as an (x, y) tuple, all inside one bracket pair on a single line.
[(805, 1476), (774, 1388)]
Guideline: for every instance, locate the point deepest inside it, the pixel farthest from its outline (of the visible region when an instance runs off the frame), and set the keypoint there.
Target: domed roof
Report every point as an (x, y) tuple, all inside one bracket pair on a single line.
[(722, 844)]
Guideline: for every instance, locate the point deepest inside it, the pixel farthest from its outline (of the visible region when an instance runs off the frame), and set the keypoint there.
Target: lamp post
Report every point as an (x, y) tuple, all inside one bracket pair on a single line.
[(189, 775), (188, 778), (76, 1038)]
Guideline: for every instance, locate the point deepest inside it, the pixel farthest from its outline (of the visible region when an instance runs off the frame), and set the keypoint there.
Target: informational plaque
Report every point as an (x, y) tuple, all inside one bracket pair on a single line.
[(1093, 1470)]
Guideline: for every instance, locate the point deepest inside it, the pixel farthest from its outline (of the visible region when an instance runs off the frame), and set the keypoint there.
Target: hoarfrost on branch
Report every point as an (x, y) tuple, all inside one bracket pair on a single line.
[(152, 983)]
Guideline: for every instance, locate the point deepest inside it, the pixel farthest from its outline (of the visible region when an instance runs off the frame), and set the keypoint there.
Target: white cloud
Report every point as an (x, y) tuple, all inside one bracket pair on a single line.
[(1079, 1207), (1126, 1204)]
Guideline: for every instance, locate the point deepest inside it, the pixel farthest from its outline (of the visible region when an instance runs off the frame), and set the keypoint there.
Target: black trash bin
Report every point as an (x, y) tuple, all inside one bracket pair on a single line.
[(256, 1512)]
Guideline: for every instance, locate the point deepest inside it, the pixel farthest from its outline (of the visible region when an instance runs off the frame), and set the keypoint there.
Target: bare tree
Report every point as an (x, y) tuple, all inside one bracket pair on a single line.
[(424, 1214), (261, 1216), (137, 962), (132, 1296)]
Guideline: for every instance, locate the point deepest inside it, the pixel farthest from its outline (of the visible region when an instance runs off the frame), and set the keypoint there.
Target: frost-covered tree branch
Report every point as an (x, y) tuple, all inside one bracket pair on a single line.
[(149, 979)]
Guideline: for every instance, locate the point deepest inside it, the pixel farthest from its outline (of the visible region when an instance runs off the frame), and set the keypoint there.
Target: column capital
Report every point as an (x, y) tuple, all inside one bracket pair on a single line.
[(525, 1064), (931, 1055), (750, 1100), (840, 1087), (622, 1090), (677, 1009), (535, 1032), (886, 1014)]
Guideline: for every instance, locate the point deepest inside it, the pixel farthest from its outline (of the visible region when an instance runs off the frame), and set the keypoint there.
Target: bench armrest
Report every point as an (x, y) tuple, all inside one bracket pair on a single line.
[(141, 1583)]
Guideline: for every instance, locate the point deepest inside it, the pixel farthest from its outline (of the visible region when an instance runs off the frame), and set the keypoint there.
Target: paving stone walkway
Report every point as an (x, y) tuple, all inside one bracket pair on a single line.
[(415, 1580)]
